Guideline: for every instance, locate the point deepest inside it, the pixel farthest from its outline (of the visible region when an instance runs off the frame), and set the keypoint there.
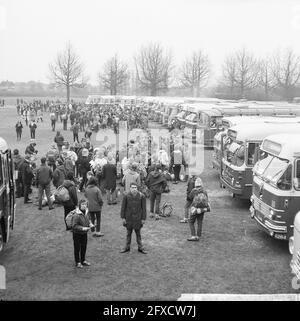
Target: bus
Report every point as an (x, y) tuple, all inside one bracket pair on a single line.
[(276, 186), (228, 122), (294, 247), (240, 153), (7, 193), (209, 120)]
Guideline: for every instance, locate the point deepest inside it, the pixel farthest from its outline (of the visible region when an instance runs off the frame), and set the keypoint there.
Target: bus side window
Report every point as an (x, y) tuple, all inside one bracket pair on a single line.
[(285, 181), (297, 175)]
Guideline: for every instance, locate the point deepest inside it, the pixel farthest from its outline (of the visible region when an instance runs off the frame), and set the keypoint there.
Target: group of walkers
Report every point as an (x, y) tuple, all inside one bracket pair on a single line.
[(141, 167)]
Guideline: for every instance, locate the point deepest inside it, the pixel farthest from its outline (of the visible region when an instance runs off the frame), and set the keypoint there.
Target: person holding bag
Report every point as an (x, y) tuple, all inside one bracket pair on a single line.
[(199, 206), (80, 227)]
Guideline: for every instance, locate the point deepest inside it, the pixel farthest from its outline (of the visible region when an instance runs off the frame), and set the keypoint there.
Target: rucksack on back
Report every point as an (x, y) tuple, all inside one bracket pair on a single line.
[(69, 219), (62, 194), (200, 200)]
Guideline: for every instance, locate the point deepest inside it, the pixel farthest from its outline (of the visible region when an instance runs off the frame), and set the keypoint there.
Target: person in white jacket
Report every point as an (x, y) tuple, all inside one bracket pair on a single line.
[(163, 159)]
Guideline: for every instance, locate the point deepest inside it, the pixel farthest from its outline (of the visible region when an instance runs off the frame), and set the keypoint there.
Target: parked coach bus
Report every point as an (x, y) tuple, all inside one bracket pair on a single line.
[(228, 122), (276, 186), (7, 193), (241, 153), (209, 120), (294, 247)]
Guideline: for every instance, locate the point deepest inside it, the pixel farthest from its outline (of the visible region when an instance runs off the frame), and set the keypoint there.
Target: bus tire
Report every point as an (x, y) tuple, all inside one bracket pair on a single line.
[(291, 245)]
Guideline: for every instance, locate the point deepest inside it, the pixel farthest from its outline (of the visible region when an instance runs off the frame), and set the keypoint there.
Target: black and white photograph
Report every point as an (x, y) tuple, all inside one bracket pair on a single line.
[(149, 151)]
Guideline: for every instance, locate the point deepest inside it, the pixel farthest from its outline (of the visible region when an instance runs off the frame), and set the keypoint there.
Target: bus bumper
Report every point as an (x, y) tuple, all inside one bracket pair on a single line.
[(235, 190), (278, 232)]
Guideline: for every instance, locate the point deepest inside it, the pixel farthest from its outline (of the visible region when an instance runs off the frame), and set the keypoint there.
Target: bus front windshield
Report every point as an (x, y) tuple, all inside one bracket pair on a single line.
[(276, 171), (235, 153)]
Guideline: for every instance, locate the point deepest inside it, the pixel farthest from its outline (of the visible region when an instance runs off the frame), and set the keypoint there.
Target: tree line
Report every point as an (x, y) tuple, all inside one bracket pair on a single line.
[(243, 75)]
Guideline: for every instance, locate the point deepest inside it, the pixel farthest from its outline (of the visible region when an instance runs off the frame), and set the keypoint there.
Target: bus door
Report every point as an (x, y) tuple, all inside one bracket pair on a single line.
[(252, 156)]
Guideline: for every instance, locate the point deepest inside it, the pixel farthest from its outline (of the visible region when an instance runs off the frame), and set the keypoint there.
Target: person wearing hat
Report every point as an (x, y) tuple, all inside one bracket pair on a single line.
[(30, 149), (84, 167), (197, 210)]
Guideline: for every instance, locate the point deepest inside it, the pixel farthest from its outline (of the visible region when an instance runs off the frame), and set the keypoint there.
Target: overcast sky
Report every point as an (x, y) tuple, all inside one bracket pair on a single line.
[(33, 31)]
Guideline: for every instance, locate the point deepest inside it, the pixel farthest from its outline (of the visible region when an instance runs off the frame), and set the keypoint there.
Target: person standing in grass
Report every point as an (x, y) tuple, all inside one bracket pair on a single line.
[(95, 203), (133, 214)]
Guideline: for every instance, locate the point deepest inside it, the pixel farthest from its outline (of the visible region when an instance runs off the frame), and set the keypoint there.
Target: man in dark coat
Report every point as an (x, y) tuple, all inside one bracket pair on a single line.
[(43, 180), (109, 174), (133, 213), (18, 161), (27, 176), (59, 174)]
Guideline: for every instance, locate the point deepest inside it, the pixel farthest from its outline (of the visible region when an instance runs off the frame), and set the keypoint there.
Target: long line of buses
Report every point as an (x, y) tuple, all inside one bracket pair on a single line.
[(256, 151)]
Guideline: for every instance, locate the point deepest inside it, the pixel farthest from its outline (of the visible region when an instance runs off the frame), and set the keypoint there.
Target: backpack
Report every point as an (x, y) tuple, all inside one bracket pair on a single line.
[(69, 219), (200, 201), (62, 194)]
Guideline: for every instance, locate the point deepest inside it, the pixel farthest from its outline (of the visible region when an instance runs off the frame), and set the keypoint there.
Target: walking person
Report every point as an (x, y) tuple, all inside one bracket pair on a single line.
[(32, 127), (80, 227), (19, 128), (109, 175), (133, 214), (59, 140), (188, 203), (43, 180), (18, 161), (199, 206), (84, 167), (176, 163), (156, 183), (95, 203), (75, 130), (53, 121)]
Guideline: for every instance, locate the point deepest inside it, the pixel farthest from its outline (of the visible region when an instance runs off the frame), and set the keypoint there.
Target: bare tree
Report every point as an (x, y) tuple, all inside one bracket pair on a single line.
[(195, 71), (153, 68), (266, 77), (67, 70), (240, 72), (115, 75), (229, 74), (286, 70)]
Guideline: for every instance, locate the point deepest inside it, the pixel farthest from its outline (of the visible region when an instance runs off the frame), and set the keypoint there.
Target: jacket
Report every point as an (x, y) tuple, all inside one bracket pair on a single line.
[(190, 186), (109, 173), (27, 173), (195, 191), (43, 175), (84, 164), (79, 221), (52, 155), (18, 160), (59, 140), (59, 175), (30, 150), (156, 182), (131, 177), (94, 197), (133, 209), (70, 186)]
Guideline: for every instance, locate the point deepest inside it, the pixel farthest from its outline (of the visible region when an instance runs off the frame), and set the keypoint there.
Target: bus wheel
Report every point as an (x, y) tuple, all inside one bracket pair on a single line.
[(291, 245)]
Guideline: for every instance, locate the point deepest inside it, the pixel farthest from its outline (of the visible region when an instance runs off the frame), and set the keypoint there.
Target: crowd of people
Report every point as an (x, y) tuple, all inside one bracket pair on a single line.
[(140, 168)]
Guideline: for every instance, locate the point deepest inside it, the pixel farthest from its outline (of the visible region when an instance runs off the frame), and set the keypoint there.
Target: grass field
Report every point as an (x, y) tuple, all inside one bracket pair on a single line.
[(233, 256)]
